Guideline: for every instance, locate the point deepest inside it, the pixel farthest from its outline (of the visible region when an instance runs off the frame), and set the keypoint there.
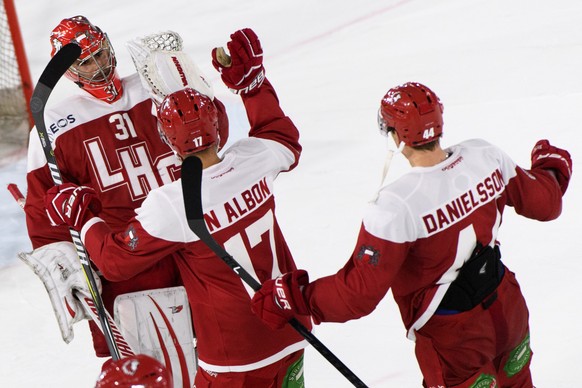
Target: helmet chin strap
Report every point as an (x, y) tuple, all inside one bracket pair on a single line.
[(387, 162)]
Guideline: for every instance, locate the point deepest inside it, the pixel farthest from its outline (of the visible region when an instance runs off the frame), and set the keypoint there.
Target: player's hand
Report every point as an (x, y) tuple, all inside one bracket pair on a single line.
[(71, 205), (281, 299), (548, 157), (242, 72)]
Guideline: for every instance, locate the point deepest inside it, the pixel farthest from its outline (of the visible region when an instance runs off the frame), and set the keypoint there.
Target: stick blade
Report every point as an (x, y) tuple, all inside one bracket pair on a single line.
[(59, 64), (54, 70)]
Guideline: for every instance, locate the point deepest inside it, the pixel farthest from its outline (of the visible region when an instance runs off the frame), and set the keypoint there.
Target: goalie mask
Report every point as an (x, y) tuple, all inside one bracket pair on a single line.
[(414, 112), (94, 71), (135, 371), (188, 122)]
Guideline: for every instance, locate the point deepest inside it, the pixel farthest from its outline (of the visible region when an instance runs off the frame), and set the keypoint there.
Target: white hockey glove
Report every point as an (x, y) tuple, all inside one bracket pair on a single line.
[(164, 68), (58, 267)]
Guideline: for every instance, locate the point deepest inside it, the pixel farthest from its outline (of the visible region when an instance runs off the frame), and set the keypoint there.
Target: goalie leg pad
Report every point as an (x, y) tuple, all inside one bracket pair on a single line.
[(158, 323)]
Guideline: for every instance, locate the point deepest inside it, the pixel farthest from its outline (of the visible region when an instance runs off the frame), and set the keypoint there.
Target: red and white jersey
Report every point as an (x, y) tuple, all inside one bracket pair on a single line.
[(239, 210), (424, 226), (113, 148)]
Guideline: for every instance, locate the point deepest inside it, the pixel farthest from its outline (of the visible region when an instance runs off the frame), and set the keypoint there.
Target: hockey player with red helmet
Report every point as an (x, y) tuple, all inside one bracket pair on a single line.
[(104, 137), (431, 237), (134, 371), (235, 349)]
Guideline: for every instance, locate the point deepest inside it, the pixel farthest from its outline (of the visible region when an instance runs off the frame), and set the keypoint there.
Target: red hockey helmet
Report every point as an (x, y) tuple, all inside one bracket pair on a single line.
[(135, 371), (223, 124), (188, 121), (95, 70), (414, 112)]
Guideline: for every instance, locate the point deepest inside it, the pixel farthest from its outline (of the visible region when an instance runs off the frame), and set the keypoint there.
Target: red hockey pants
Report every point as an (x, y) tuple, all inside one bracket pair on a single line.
[(481, 347)]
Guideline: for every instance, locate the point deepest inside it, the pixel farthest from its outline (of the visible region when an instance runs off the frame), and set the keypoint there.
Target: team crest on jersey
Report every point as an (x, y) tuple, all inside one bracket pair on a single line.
[(368, 255), (130, 237)]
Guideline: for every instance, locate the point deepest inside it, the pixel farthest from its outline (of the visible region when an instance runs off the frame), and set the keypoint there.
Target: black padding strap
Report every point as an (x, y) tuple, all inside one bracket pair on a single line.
[(477, 281)]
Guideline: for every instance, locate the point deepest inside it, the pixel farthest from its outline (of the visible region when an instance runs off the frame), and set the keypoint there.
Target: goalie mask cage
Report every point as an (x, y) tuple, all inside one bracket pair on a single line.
[(15, 85)]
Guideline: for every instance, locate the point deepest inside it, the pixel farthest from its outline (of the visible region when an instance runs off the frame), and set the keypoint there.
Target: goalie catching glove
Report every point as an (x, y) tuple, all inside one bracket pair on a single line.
[(71, 205), (164, 68), (548, 157), (58, 267), (281, 299), (242, 72)]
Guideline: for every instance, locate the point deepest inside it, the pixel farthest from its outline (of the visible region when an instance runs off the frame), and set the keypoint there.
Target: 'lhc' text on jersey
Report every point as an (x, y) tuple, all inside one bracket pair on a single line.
[(453, 211), (133, 166)]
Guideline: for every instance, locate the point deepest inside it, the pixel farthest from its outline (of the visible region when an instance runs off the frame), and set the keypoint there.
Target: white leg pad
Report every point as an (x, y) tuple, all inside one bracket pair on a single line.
[(158, 323)]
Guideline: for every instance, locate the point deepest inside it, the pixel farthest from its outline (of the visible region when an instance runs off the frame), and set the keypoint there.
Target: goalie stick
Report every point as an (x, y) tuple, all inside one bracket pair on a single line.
[(192, 193), (54, 70)]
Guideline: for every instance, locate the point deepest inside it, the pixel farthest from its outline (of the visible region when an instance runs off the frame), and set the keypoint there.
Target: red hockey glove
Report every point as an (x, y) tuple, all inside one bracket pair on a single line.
[(281, 299), (243, 71), (547, 157), (71, 205)]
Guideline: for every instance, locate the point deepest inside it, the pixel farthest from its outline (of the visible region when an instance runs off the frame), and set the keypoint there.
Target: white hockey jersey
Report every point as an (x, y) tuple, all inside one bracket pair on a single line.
[(424, 226)]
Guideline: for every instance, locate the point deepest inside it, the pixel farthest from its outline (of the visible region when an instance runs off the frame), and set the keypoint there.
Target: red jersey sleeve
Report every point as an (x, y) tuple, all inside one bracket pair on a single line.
[(535, 194), (39, 228), (120, 256), (268, 121), (38, 181), (356, 289)]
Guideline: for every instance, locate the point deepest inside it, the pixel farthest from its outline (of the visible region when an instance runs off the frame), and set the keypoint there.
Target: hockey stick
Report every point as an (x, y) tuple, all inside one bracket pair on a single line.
[(54, 70), (192, 193), (17, 194), (88, 303)]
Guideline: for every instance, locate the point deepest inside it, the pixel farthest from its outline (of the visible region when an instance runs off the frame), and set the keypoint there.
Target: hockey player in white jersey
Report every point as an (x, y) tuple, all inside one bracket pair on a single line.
[(431, 237)]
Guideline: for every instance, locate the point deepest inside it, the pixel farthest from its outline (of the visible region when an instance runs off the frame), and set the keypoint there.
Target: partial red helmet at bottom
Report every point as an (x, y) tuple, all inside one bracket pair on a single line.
[(135, 371), (188, 121), (414, 112)]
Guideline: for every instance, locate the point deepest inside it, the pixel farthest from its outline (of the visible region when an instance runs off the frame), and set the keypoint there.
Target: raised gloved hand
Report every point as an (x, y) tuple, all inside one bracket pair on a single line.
[(71, 205), (242, 72), (281, 299), (548, 157)]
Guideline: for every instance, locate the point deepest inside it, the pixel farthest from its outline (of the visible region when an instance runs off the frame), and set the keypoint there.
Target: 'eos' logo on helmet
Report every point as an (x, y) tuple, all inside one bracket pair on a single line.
[(62, 123)]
